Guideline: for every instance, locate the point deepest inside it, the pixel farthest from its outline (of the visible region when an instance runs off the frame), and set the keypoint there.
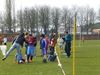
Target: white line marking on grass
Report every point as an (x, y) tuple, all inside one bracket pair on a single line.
[(59, 63)]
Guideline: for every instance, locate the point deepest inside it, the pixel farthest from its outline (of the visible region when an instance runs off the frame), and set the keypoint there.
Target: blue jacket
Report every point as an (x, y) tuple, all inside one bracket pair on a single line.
[(43, 43), (68, 37)]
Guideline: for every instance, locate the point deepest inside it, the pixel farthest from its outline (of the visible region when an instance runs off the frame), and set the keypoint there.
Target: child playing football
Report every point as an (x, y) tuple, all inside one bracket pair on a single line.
[(30, 48)]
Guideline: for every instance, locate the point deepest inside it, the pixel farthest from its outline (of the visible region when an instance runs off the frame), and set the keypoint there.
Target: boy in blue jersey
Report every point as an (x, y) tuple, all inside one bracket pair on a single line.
[(43, 47)]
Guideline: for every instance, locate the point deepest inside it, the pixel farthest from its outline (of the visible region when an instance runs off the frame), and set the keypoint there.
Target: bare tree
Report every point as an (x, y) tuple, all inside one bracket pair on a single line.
[(44, 15), (55, 19), (20, 23), (37, 19), (81, 19), (92, 18), (0, 19), (9, 15), (26, 18), (72, 12), (64, 17), (67, 18), (32, 19), (98, 14), (89, 18), (1, 23), (13, 16)]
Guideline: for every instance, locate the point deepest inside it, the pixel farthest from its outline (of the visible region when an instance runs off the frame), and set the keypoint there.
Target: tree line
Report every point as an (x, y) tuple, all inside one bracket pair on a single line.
[(46, 19)]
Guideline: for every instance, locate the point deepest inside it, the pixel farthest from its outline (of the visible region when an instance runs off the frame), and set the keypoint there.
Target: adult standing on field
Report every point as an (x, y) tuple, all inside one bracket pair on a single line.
[(68, 39)]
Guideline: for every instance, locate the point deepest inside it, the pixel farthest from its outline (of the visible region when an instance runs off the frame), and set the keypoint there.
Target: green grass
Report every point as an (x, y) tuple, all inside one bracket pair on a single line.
[(87, 62), (87, 58)]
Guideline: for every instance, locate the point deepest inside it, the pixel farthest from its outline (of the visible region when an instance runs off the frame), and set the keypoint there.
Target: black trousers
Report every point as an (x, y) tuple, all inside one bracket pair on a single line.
[(52, 50), (68, 48)]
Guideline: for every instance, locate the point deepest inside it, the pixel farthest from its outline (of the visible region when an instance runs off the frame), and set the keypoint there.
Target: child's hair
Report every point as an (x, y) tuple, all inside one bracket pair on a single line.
[(30, 34), (26, 33), (42, 35)]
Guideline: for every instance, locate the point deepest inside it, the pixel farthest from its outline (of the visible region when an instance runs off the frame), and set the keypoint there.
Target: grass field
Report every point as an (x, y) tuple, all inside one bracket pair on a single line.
[(87, 62)]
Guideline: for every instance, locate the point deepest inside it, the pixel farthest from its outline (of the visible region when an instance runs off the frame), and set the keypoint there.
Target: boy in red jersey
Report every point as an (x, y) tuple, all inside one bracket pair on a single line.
[(30, 48)]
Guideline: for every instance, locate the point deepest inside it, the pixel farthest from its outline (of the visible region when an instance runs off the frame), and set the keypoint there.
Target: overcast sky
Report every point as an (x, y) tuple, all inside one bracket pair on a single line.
[(53, 3)]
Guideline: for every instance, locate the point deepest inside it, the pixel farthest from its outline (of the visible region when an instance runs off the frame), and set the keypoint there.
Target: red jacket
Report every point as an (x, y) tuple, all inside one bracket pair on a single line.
[(53, 42), (31, 40)]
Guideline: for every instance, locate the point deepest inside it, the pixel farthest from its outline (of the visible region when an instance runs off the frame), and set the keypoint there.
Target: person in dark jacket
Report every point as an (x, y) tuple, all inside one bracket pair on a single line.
[(68, 39), (17, 43)]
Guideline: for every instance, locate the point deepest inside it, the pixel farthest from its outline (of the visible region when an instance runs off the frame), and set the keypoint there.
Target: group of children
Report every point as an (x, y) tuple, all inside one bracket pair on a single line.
[(31, 42), (46, 43)]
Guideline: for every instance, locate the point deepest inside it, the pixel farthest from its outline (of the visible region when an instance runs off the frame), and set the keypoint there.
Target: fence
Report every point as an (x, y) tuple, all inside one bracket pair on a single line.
[(10, 37)]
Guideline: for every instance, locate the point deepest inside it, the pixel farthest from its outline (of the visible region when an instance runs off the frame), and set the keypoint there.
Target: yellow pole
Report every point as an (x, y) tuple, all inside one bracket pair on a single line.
[(74, 44), (59, 43)]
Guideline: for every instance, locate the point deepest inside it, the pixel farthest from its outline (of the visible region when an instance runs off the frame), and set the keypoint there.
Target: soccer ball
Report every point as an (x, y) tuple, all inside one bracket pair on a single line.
[(20, 62)]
